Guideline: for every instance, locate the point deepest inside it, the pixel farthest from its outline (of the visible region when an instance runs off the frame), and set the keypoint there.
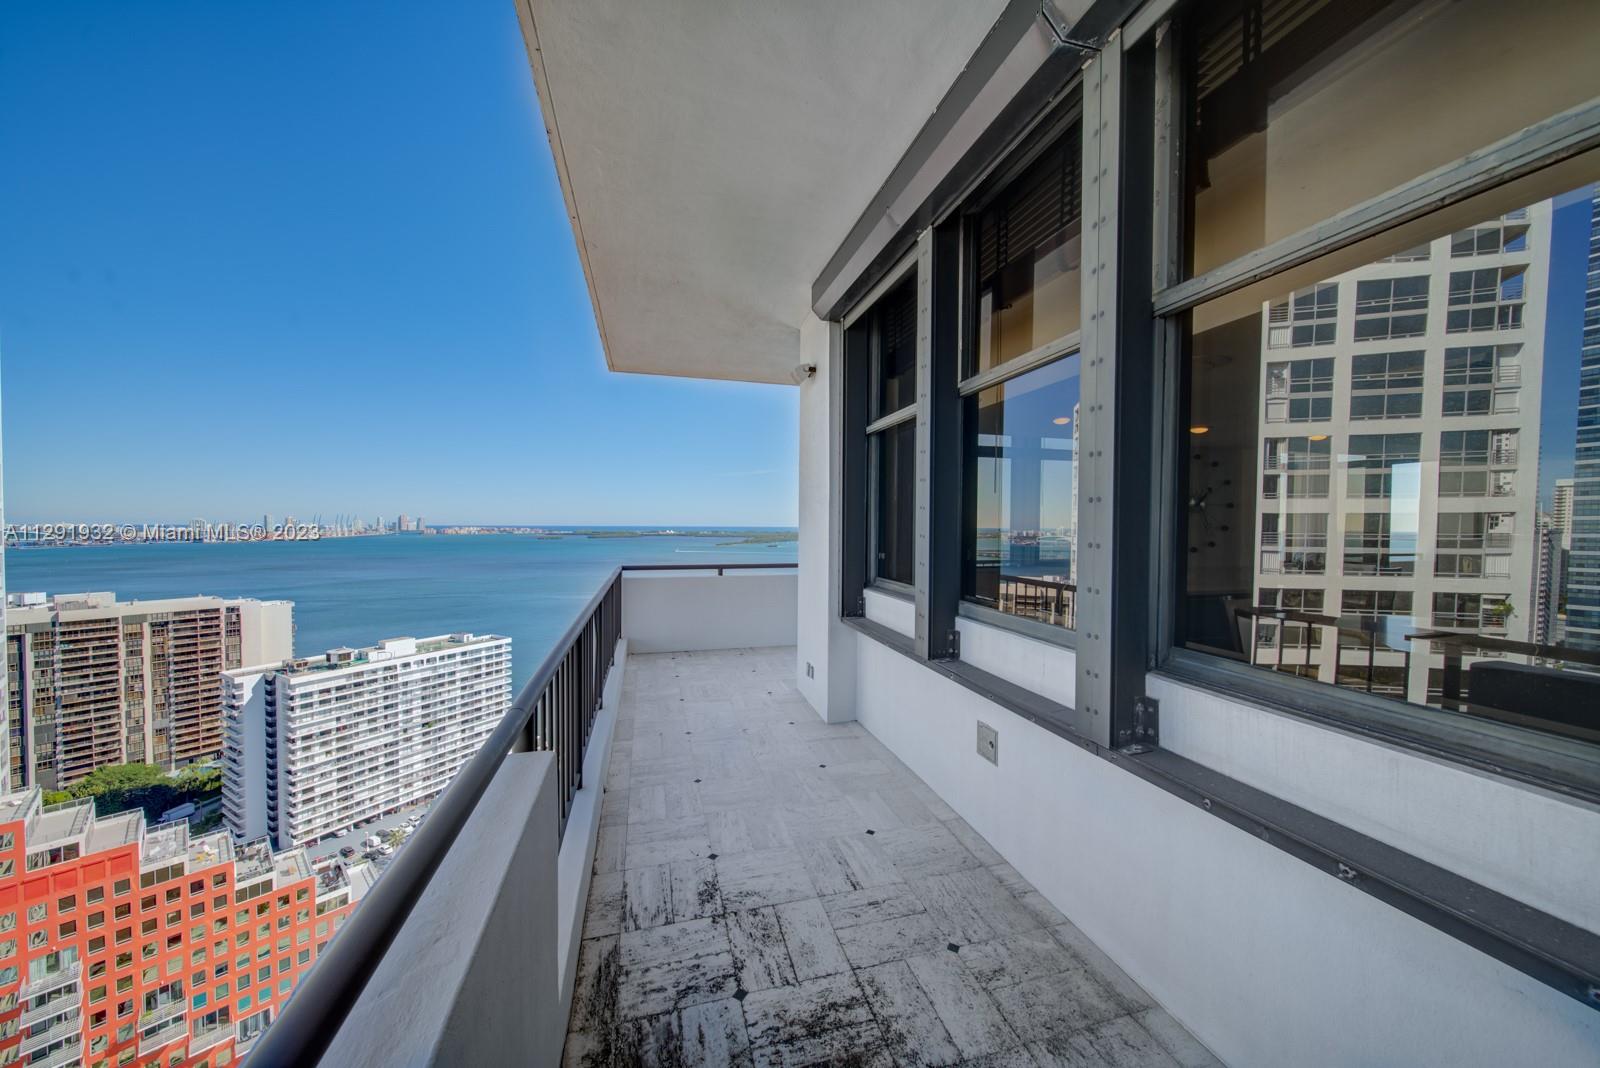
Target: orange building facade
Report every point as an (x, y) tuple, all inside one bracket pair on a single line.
[(126, 945)]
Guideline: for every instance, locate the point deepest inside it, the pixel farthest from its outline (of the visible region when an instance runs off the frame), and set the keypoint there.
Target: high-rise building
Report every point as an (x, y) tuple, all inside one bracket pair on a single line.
[(98, 681), (1561, 510), (316, 744), (1436, 511), (150, 945), (1549, 577), (1583, 560)]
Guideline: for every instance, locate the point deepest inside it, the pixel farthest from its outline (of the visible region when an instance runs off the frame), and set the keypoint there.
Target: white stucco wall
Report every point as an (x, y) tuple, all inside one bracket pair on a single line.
[(1513, 838), (897, 613), (671, 612), (824, 647), (1039, 666), (1268, 961)]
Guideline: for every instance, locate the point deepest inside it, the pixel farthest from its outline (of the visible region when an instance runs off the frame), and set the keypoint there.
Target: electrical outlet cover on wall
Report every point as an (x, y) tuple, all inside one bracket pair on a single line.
[(988, 743)]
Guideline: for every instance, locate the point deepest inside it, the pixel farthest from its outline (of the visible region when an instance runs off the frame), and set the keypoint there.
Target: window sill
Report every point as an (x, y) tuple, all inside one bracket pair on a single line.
[(1565, 767), (1020, 625)]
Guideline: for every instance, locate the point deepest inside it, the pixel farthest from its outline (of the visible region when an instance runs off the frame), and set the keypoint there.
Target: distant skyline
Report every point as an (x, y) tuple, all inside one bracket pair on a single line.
[(302, 259)]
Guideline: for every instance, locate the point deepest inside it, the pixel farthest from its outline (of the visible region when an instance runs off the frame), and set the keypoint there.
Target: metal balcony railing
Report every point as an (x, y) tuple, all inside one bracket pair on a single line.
[(212, 1036), (554, 713), (33, 988), (162, 1012), (68, 1001), (148, 1044), (71, 1053), (54, 1033)]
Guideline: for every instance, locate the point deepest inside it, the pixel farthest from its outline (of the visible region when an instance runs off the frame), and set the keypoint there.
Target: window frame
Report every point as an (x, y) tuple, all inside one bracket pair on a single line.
[(1549, 761), (1007, 168), (873, 430)]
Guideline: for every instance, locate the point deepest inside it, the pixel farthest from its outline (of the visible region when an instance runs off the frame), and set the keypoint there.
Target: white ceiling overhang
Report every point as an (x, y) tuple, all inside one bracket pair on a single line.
[(714, 154)]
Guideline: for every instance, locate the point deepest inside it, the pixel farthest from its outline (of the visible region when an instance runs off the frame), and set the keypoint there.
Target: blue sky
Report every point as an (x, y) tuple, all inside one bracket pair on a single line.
[(311, 256), (1563, 341)]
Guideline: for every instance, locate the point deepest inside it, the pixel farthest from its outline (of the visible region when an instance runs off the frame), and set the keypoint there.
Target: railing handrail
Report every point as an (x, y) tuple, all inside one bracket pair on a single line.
[(718, 568), (322, 1001)]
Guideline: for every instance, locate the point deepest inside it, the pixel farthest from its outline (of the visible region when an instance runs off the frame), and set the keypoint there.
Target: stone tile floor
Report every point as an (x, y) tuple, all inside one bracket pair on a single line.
[(770, 889)]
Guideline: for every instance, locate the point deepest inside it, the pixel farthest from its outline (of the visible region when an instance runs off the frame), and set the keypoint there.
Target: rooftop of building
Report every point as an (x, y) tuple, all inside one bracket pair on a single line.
[(63, 821), (19, 806), (336, 875), (162, 845), (33, 607), (342, 658)]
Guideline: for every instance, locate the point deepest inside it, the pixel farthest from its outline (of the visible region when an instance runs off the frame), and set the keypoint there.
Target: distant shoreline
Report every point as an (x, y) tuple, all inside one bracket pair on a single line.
[(735, 536)]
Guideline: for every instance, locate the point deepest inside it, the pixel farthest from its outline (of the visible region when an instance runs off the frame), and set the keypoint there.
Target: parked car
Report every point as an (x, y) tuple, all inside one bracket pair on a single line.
[(347, 851)]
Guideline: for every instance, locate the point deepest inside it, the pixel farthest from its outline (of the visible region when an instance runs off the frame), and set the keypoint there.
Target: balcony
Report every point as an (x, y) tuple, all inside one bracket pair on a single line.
[(71, 1053), (54, 1033), (769, 884), (175, 1030), (34, 987), (154, 1016), (72, 999), (752, 884), (214, 1036)]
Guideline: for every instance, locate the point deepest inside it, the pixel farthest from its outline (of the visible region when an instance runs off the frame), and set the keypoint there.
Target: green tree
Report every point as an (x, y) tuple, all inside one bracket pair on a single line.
[(119, 787)]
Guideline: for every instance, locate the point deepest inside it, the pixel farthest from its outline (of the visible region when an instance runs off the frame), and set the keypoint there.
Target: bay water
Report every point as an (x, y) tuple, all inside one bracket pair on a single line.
[(357, 591)]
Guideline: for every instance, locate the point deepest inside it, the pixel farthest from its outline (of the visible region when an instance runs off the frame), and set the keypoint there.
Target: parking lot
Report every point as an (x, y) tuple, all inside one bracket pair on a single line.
[(380, 827)]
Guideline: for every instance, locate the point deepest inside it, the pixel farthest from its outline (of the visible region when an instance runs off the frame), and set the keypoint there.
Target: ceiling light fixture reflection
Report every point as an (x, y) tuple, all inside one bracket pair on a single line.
[(1319, 437), (1062, 420), (1199, 430)]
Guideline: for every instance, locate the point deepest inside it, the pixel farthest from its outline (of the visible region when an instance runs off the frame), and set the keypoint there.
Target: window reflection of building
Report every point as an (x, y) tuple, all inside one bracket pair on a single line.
[(1583, 560), (1408, 519), (1399, 544)]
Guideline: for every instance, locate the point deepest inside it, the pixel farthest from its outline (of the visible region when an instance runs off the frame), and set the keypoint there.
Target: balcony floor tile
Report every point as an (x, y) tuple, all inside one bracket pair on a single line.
[(775, 890)]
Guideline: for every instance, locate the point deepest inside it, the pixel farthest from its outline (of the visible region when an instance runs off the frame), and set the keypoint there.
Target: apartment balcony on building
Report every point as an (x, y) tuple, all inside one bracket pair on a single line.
[(1168, 674)]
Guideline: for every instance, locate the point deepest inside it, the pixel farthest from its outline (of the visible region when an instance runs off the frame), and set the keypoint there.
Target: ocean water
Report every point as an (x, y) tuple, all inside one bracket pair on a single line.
[(356, 591)]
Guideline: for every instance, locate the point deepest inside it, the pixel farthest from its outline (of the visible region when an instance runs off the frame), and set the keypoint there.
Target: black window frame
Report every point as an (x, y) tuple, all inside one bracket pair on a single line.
[(1061, 130), (864, 378), (1548, 761)]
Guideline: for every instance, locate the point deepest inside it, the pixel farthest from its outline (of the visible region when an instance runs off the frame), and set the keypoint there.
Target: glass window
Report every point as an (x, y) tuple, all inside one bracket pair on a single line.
[(1020, 554), (1281, 87), (1509, 234), (1307, 317), (1388, 308), (893, 503), (1386, 385), (885, 337), (1026, 252), (1431, 559), (1300, 391), (1376, 461), (1482, 380), (894, 349), (1486, 299)]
